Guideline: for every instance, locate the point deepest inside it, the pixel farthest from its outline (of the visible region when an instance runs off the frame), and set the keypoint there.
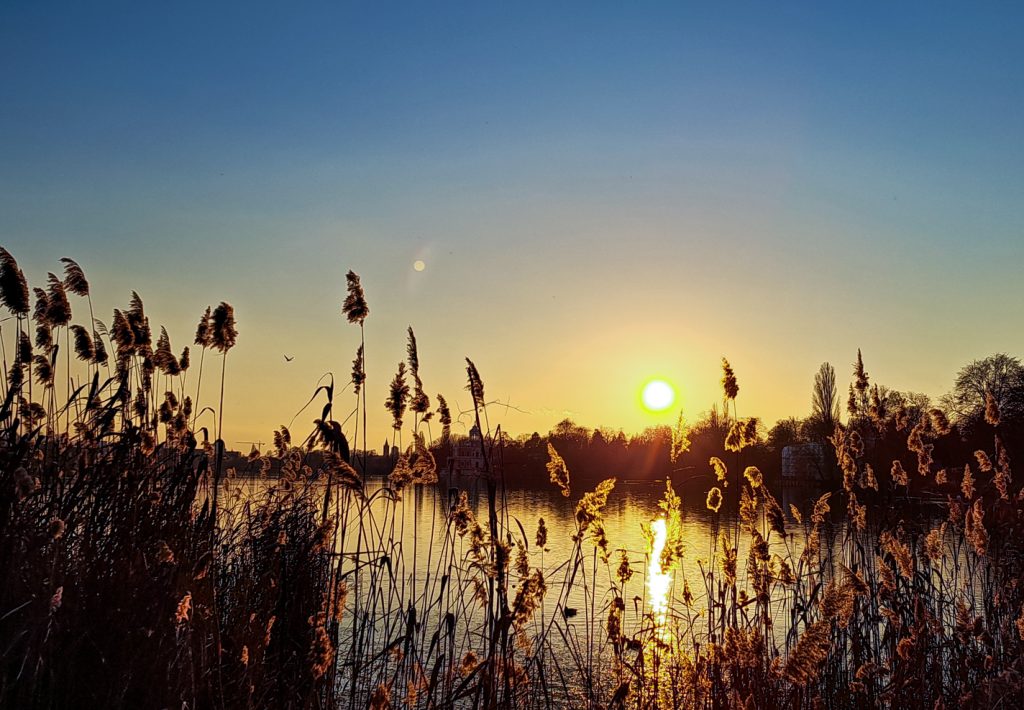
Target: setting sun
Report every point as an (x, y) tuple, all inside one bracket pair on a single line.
[(658, 395)]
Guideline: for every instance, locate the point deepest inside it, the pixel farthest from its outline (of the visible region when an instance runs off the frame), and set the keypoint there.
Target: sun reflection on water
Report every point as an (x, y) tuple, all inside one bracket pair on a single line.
[(658, 580)]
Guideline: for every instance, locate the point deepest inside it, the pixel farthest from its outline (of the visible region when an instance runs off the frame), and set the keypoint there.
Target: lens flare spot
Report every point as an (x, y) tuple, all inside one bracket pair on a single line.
[(658, 395), (419, 265)]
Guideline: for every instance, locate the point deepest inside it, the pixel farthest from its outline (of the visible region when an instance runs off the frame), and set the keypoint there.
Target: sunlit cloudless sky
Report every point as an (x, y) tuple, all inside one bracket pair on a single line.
[(600, 193)]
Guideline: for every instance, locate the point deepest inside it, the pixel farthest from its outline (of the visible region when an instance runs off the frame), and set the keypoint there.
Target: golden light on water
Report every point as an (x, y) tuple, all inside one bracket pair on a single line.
[(658, 581), (658, 395)]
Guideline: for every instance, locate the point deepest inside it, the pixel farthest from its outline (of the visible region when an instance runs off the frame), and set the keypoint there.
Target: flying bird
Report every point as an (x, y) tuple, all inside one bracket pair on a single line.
[(288, 359)]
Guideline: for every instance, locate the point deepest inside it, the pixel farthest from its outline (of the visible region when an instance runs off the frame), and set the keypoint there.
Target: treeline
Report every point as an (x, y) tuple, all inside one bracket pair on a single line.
[(596, 454), (883, 424)]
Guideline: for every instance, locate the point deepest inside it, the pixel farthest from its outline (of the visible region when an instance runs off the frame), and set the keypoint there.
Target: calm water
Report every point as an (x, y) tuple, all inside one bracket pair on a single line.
[(630, 508), (403, 562), (420, 552)]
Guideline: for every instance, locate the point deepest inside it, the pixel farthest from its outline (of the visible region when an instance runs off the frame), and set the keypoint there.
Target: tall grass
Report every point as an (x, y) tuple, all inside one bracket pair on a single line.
[(137, 569)]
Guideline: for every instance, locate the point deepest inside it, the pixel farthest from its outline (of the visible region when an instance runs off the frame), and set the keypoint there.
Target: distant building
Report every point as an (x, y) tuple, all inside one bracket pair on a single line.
[(467, 455), (804, 462)]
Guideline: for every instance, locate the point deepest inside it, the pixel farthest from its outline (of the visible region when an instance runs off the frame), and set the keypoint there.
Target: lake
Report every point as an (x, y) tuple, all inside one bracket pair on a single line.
[(414, 565)]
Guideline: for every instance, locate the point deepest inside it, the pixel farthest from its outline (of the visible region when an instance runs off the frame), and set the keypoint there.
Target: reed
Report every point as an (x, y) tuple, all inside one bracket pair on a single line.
[(140, 568)]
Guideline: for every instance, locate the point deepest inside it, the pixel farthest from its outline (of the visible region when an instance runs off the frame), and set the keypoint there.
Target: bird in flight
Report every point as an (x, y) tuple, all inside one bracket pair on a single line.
[(288, 359)]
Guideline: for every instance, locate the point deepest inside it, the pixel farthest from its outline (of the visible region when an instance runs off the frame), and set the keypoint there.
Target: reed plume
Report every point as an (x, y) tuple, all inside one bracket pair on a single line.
[(122, 334), (680, 439), (398, 397), (184, 609), (163, 358), (589, 507), (84, 348), (860, 375), (74, 278), (899, 474), (58, 308), (742, 434), (984, 463), (729, 384), (139, 323), (940, 422), (714, 499), (282, 440), (876, 409), (558, 472), (358, 371), (222, 326), (321, 652), (41, 307), (23, 354), (100, 356), (204, 331), (13, 285), (721, 472), (43, 367), (625, 571), (974, 528), (44, 336), (773, 513), (991, 409), (870, 481), (355, 307), (900, 553), (811, 650), (419, 402), (16, 376), (476, 384), (933, 543), (444, 415), (753, 476)]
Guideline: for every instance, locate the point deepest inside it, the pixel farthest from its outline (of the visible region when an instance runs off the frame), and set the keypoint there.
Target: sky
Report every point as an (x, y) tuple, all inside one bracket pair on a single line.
[(600, 193)]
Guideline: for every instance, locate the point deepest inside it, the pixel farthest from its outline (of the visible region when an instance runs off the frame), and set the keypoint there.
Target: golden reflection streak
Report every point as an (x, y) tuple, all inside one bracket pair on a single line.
[(658, 581)]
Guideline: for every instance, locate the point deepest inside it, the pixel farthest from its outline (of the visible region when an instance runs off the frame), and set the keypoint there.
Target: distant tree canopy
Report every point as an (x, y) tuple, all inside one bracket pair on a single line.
[(568, 431), (888, 401), (594, 454), (885, 419), (1001, 375), (786, 432)]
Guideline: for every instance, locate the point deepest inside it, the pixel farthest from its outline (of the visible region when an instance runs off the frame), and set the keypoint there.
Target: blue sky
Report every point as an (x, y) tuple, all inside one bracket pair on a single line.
[(602, 192)]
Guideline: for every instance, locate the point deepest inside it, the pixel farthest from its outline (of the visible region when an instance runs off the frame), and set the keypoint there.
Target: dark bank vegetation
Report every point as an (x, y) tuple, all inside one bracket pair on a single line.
[(883, 414), (140, 568)]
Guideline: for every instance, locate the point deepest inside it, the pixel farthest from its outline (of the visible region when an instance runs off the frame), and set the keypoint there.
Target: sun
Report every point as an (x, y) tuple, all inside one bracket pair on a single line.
[(658, 395)]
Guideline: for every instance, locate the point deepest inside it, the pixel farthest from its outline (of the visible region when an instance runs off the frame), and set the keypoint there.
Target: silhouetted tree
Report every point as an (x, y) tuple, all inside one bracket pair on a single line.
[(1001, 375), (784, 433), (912, 404), (712, 422), (825, 400), (569, 432)]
